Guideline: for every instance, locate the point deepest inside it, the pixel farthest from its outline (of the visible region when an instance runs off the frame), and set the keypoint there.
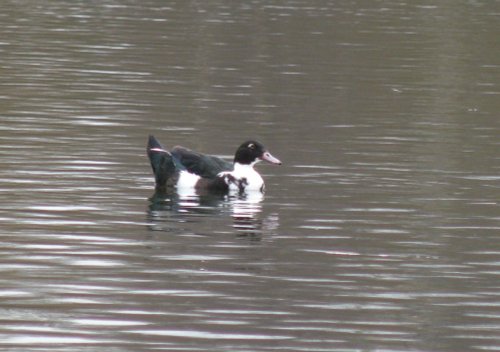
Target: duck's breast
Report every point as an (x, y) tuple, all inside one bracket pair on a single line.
[(243, 178)]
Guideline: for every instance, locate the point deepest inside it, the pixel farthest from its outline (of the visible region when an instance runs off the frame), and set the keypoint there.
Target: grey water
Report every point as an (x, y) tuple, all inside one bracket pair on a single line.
[(380, 231)]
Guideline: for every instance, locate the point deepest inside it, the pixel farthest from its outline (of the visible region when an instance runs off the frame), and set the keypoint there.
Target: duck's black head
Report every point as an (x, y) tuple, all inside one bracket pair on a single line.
[(251, 152)]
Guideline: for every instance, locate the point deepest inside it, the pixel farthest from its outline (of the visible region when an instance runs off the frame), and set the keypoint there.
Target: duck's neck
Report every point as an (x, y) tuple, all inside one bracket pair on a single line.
[(244, 167)]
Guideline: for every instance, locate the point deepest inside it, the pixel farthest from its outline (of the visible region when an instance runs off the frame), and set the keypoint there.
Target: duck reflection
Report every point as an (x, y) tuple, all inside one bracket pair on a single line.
[(169, 209)]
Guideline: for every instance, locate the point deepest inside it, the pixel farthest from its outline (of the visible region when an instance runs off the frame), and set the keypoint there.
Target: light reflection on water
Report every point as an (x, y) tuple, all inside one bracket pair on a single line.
[(188, 206)]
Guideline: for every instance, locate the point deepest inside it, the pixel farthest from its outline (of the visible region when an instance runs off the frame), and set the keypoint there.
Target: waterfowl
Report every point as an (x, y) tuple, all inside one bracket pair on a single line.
[(184, 168)]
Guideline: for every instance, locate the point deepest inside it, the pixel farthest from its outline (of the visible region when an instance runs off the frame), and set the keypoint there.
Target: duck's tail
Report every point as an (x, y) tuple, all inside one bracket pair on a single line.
[(162, 164)]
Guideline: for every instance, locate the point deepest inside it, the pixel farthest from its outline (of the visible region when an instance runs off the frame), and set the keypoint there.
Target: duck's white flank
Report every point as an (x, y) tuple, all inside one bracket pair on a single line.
[(242, 175), (187, 179)]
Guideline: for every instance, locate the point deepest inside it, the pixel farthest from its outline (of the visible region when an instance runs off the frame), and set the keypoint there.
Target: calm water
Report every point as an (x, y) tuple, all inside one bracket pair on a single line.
[(381, 231)]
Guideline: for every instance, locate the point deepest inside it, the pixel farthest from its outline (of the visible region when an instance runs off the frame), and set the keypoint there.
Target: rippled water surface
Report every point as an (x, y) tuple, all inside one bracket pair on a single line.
[(381, 230)]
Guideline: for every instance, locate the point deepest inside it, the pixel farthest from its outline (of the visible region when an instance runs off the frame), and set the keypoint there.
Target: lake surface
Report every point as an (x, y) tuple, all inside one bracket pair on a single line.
[(380, 231)]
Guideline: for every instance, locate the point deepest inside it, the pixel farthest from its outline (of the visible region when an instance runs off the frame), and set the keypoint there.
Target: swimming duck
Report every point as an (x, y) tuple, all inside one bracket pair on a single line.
[(184, 168)]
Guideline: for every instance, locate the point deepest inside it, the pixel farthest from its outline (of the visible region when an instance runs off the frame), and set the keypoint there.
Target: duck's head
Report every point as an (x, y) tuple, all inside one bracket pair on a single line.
[(252, 152)]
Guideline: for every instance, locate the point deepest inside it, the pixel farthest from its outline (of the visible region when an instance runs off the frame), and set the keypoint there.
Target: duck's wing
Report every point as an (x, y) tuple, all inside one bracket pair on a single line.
[(206, 166), (161, 162)]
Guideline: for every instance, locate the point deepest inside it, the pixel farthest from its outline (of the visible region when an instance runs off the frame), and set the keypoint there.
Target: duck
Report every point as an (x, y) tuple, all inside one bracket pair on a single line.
[(182, 168)]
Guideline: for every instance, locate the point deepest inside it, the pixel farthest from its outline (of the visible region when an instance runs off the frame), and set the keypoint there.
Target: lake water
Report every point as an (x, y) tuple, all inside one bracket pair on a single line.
[(380, 231)]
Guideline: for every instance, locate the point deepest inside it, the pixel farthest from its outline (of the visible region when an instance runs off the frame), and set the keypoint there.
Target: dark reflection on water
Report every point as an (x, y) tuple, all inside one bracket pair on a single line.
[(379, 232), (169, 209)]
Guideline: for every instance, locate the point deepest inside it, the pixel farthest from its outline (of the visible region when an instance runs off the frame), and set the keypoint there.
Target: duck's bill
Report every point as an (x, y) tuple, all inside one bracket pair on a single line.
[(270, 159)]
